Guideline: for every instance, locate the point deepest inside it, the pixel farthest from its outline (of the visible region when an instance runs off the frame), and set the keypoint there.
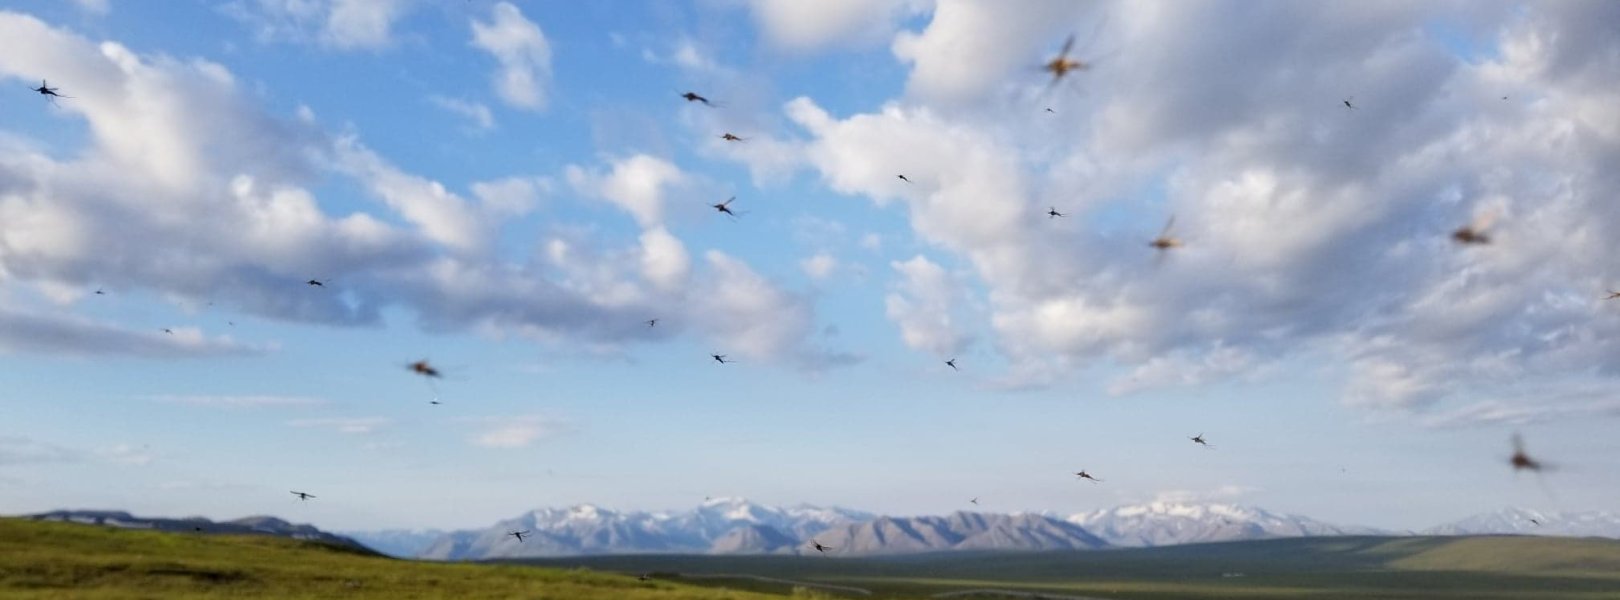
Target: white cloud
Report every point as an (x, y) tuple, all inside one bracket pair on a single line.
[(923, 304), (524, 55), (342, 24), (17, 450), (229, 401), (128, 454), (636, 184), (819, 266), (519, 431), (1309, 229), (480, 115), (95, 7), (815, 25), (27, 332), (344, 425)]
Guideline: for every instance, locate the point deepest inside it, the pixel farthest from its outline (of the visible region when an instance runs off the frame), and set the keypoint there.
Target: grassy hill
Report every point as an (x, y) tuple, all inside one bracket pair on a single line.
[(63, 560), (1416, 568)]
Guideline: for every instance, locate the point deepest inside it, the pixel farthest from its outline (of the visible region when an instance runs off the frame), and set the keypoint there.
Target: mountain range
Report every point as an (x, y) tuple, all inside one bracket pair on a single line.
[(736, 526)]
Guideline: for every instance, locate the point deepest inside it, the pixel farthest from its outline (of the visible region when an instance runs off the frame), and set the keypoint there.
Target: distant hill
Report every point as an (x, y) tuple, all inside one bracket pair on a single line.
[(258, 525), (1171, 523), (402, 543), (1525, 521), (51, 560)]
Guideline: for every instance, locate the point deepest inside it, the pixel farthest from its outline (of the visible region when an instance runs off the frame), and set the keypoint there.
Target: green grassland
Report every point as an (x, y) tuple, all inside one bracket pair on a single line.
[(1414, 568), (57, 560), (63, 560)]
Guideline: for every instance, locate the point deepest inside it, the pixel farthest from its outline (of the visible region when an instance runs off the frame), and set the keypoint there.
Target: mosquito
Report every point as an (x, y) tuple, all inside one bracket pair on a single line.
[(903, 178), (721, 358), (693, 97), (725, 207), (1348, 105), (1199, 439), (1052, 213), (1612, 295), (1084, 475), (732, 138), (518, 534), (652, 322), (952, 364), (820, 548), (315, 283), (303, 496), (49, 92), (1165, 241), (1475, 232)]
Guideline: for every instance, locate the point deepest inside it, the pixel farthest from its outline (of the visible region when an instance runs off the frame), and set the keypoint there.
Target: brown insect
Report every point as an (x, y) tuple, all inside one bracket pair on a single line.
[(1165, 241), (1612, 295), (1475, 232), (1521, 460), (424, 369), (1062, 64)]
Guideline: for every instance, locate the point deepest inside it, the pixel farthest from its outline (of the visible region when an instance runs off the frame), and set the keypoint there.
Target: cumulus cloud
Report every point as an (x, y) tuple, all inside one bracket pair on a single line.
[(523, 53), (342, 24), (819, 266), (1309, 228), (923, 304)]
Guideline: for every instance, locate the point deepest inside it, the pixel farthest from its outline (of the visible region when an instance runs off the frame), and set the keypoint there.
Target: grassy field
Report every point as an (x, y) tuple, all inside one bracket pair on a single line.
[(1413, 568), (62, 560), (58, 560)]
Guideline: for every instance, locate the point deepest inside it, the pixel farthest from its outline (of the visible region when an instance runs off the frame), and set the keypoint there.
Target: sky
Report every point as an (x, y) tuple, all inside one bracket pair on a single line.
[(511, 190)]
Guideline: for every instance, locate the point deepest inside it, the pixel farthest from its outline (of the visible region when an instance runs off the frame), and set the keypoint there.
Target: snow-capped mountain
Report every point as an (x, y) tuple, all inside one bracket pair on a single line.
[(1170, 523), (957, 531), (722, 525), (1525, 521), (400, 543)]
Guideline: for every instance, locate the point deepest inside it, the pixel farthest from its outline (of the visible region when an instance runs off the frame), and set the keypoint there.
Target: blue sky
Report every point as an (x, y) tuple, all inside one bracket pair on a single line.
[(510, 189)]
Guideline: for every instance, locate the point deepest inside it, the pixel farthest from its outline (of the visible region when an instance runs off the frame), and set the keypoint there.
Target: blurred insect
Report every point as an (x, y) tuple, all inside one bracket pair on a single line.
[(168, 331), (1052, 213), (721, 358), (1084, 475), (1049, 109), (315, 283), (303, 496), (974, 501), (518, 534), (1199, 439), (1538, 523), (1522, 461), (428, 373), (100, 293), (952, 364), (725, 207), (903, 178), (1475, 232), (1612, 295), (693, 97), (1348, 105), (1165, 241), (820, 548), (1062, 64), (652, 322), (49, 92), (732, 138)]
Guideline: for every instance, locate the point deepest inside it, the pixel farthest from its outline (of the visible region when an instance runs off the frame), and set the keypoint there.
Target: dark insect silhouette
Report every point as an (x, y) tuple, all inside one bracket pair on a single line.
[(100, 293), (1052, 213), (1348, 105), (1199, 439), (974, 501), (1612, 295), (1521, 460), (303, 496), (725, 207), (820, 548), (720, 358), (903, 178), (652, 322), (1084, 475), (1062, 64), (315, 283), (1538, 523), (168, 331), (693, 97), (1165, 241), (424, 369), (952, 364), (1474, 233), (49, 92), (1049, 109), (732, 138), (518, 534)]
